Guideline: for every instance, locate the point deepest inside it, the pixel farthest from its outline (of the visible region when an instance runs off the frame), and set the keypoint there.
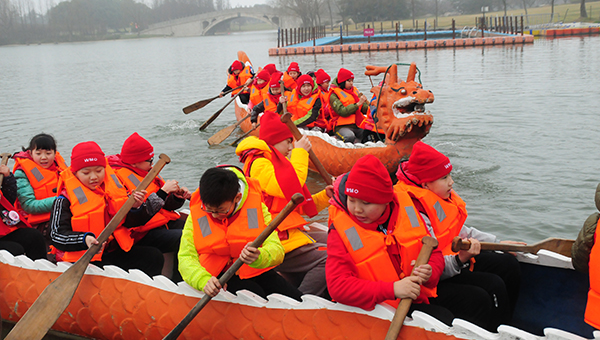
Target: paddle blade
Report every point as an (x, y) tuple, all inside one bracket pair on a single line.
[(198, 105), (220, 136), (48, 307)]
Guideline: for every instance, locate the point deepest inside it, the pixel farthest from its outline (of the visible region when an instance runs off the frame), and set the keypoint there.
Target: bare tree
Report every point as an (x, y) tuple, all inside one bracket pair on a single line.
[(582, 10), (307, 10)]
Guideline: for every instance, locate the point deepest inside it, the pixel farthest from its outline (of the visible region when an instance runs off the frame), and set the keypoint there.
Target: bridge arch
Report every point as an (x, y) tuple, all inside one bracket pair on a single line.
[(209, 28)]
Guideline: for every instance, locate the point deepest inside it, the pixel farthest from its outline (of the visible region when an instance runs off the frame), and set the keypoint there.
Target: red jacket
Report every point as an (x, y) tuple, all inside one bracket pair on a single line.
[(342, 275)]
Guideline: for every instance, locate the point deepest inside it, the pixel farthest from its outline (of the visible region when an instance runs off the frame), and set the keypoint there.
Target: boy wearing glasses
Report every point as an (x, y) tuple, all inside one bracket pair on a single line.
[(227, 213), (163, 230)]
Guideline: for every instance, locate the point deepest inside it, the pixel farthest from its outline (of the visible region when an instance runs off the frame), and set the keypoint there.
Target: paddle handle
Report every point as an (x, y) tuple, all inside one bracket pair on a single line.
[(290, 206), (429, 244), (286, 118), (5, 157), (202, 103)]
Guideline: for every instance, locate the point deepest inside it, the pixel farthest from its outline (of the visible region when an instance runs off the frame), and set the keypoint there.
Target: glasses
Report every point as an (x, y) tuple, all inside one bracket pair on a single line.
[(151, 160), (203, 207)]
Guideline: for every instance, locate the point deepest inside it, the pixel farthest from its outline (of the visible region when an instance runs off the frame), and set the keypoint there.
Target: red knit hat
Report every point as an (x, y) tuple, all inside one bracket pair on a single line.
[(87, 154), (344, 75), (264, 75), (293, 67), (426, 164), (275, 78), (272, 129), (237, 65), (370, 181), (136, 149), (322, 76), (305, 79), (271, 68)]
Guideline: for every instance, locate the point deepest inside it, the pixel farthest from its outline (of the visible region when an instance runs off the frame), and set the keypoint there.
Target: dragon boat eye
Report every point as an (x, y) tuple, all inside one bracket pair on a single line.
[(403, 91)]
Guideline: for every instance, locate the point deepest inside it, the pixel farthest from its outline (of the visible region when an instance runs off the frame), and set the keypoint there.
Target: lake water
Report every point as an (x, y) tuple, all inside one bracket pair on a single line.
[(519, 123)]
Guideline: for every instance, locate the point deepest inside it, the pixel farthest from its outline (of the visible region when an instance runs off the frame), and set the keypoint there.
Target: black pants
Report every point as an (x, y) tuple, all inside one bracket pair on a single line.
[(487, 295), (25, 241), (167, 241), (264, 284)]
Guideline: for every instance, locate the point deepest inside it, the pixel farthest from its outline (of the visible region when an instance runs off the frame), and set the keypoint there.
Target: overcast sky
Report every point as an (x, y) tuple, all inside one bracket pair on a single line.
[(235, 3)]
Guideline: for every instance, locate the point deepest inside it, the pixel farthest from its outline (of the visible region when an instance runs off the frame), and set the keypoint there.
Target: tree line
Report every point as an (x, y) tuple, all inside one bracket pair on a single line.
[(32, 21)]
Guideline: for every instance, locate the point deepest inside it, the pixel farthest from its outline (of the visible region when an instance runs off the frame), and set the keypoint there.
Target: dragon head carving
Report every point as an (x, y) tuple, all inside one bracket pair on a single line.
[(400, 104)]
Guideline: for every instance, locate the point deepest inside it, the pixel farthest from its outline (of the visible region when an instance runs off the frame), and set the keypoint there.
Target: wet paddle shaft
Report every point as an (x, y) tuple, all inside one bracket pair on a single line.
[(56, 297), (557, 245), (296, 199)]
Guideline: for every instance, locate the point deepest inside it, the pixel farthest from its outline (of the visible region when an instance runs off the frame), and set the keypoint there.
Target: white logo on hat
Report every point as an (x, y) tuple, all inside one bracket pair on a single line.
[(447, 165), (90, 160), (351, 191)]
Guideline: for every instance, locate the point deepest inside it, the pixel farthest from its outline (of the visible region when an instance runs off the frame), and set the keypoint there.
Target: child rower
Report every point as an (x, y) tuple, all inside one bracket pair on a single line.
[(272, 102), (239, 74), (483, 290), (163, 231), (322, 79), (90, 194), (16, 234), (36, 171), (305, 105), (259, 88), (348, 107), (374, 238), (282, 170), (291, 76), (227, 212)]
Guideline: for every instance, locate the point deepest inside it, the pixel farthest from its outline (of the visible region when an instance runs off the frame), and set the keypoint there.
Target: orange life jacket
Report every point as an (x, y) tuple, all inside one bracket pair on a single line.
[(92, 210), (258, 95), (235, 81), (131, 180), (219, 243), (298, 107), (43, 181), (368, 249), (346, 99), (592, 309), (7, 229), (288, 81), (447, 216)]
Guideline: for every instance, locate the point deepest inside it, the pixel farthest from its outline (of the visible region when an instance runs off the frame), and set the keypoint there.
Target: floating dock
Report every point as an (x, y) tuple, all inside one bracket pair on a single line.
[(406, 42)]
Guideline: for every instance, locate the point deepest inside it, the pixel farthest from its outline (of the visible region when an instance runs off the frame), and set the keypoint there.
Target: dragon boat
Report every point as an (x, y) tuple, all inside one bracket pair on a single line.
[(113, 304), (401, 116)]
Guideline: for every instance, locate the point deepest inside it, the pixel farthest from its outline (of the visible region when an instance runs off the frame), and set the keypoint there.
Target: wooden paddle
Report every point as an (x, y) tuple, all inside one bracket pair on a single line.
[(429, 244), (234, 143), (5, 156), (216, 114), (290, 206), (56, 297), (200, 104), (221, 135), (287, 119), (558, 245)]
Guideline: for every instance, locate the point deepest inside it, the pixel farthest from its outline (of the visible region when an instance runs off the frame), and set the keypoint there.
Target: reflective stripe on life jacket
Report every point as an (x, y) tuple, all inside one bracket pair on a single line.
[(89, 209), (592, 309), (369, 249), (447, 216), (258, 95), (131, 180), (347, 99), (43, 181), (220, 242)]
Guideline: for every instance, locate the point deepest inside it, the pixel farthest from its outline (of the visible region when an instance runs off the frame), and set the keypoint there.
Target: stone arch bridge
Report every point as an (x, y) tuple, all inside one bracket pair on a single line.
[(204, 24)]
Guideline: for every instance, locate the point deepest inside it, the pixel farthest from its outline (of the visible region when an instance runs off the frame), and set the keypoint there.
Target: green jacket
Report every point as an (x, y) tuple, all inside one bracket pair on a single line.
[(580, 253), (340, 109), (194, 274), (26, 196)]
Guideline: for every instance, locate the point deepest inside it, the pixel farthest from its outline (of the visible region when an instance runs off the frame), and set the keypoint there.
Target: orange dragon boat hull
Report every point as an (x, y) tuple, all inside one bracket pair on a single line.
[(117, 305)]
